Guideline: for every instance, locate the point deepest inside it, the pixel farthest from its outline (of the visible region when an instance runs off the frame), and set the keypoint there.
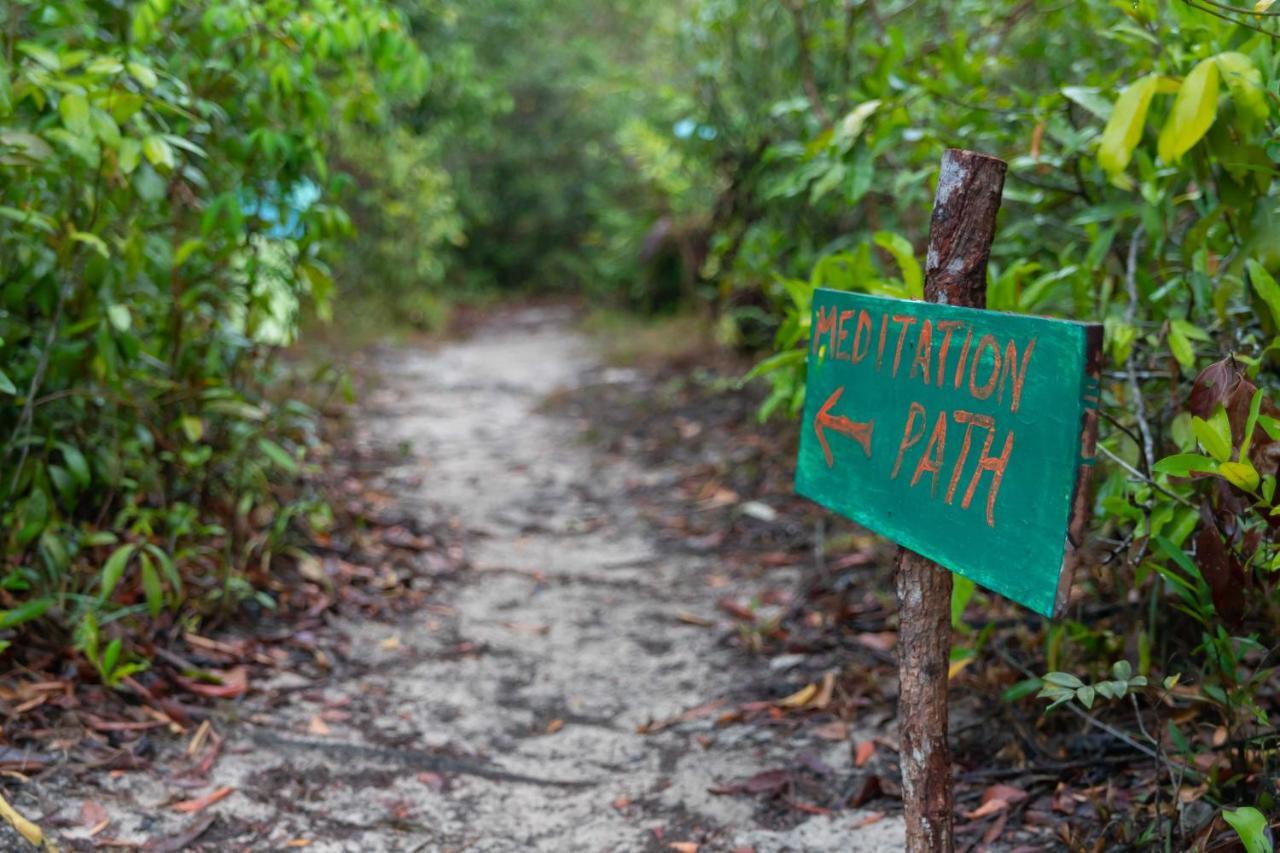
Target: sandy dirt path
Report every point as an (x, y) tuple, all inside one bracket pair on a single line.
[(504, 717)]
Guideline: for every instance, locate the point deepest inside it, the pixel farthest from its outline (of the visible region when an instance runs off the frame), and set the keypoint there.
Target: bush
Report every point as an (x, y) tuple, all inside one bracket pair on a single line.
[(167, 207)]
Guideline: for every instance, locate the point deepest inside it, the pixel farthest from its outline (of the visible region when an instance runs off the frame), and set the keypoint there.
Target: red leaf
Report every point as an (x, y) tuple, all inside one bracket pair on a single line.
[(202, 803), (1221, 569)]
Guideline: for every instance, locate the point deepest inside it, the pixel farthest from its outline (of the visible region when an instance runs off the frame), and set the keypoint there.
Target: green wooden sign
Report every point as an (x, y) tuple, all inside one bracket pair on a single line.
[(964, 435)]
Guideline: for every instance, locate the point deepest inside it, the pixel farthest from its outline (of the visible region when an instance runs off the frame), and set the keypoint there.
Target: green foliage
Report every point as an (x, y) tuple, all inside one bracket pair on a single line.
[(1142, 193), (151, 155), (1251, 825)]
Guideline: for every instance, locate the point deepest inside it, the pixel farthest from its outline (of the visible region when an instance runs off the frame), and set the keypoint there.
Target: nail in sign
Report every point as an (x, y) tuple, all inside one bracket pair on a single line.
[(964, 435)]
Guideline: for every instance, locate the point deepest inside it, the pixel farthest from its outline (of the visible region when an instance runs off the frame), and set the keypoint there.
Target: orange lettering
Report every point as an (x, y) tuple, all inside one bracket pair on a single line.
[(884, 325), (947, 327), (1018, 376), (862, 334), (841, 333), (908, 440), (970, 421), (931, 461), (906, 321), (994, 464), (985, 391), (826, 325), (924, 351)]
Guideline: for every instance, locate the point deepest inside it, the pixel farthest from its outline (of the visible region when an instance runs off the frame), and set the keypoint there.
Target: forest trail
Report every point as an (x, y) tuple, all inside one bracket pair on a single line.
[(505, 716)]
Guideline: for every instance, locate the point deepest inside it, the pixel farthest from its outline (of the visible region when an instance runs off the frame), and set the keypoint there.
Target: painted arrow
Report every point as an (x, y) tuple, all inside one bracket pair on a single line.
[(859, 432)]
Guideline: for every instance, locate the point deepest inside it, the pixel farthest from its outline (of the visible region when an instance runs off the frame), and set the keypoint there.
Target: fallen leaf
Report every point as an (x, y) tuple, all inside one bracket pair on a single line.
[(958, 666), (996, 829), (25, 828), (800, 698), (736, 610), (694, 619), (767, 782), (988, 807), (1008, 793), (684, 846), (298, 842), (621, 803), (836, 730), (181, 841), (202, 803), (808, 808), (873, 817), (198, 739), (92, 814), (223, 685), (555, 726), (434, 781), (883, 641), (318, 727), (390, 644), (863, 752), (825, 691), (867, 791)]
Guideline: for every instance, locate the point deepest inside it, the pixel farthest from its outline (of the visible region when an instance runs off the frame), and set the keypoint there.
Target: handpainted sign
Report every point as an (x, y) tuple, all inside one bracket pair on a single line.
[(961, 434)]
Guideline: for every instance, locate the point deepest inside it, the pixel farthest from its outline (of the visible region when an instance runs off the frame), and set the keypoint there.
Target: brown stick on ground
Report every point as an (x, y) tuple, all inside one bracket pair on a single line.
[(960, 235)]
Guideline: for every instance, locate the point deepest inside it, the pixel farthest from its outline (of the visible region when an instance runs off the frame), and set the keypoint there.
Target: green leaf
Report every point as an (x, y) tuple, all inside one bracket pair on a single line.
[(1240, 474), (129, 155), (961, 592), (110, 657), (6, 384), (151, 587), (1244, 82), (1194, 109), (119, 317), (1266, 288), (1251, 423), (41, 54), (35, 516), (1214, 435), (1251, 825), (28, 217), (775, 362), (185, 250), (1090, 99), (1085, 695), (76, 463), (33, 609), (1124, 128), (93, 241), (158, 153), (1181, 348), (278, 455), (74, 109), (113, 569), (900, 248), (1121, 670), (851, 126), (1183, 464), (1063, 679), (143, 74), (1021, 689), (192, 428)]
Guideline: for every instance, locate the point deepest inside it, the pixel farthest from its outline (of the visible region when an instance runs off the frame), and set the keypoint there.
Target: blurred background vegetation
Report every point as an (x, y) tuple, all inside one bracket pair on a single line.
[(185, 185)]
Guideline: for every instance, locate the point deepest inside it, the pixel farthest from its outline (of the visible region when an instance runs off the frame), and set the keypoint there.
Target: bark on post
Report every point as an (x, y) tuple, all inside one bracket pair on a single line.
[(960, 235)]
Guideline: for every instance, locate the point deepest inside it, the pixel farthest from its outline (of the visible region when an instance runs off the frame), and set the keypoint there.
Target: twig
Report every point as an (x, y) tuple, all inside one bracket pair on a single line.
[(806, 65), (1141, 476), (1130, 315)]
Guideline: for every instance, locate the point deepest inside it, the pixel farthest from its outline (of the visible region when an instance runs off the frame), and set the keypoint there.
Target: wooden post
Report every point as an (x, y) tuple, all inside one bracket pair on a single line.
[(960, 235)]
